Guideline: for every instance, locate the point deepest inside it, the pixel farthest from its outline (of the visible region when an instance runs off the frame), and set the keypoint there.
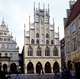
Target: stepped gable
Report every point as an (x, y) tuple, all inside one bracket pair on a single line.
[(74, 12)]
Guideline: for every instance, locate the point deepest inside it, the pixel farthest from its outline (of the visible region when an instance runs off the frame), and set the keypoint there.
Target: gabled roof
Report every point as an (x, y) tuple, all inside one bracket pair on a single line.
[(74, 12)]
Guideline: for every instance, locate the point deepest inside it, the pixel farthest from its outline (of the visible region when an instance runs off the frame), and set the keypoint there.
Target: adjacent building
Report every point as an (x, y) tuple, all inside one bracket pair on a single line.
[(8, 50), (41, 44), (62, 47), (72, 36)]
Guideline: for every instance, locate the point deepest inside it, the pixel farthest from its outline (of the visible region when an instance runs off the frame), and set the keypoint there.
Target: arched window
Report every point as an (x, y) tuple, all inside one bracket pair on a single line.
[(38, 52), (32, 41), (37, 35), (47, 35), (52, 42), (47, 51), (55, 52), (37, 41), (47, 42), (30, 51)]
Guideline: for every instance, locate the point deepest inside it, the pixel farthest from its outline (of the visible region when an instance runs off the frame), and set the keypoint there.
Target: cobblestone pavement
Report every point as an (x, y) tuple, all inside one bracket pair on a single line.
[(24, 76)]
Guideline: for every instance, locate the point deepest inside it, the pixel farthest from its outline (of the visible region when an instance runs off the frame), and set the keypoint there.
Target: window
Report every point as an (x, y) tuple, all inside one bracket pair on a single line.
[(37, 35), (3, 45), (52, 42), (6, 54), (8, 46), (4, 39), (46, 19), (15, 55), (68, 46), (47, 42), (37, 18), (47, 35), (37, 41), (74, 44), (11, 46), (79, 22), (38, 51), (1, 33), (11, 55), (47, 52), (30, 51), (73, 28), (8, 39), (67, 32), (1, 39), (0, 54), (5, 33), (32, 41), (55, 52)]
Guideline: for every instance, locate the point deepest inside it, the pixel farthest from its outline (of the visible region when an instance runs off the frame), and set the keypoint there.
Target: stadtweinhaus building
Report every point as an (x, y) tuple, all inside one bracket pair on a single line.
[(8, 50), (41, 44)]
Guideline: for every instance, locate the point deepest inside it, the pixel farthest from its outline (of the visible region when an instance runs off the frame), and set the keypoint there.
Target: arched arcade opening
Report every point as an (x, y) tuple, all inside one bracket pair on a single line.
[(30, 68), (13, 68), (4, 67), (47, 68), (56, 67), (38, 67)]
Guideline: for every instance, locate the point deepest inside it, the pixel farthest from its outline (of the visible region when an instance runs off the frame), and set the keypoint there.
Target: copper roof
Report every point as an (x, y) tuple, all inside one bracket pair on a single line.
[(74, 12)]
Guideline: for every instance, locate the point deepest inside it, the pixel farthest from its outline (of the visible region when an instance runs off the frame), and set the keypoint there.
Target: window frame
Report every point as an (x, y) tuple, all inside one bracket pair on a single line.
[(73, 28)]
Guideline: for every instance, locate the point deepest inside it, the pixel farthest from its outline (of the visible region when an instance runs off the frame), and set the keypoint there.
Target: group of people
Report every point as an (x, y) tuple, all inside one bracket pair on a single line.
[(66, 73), (5, 75)]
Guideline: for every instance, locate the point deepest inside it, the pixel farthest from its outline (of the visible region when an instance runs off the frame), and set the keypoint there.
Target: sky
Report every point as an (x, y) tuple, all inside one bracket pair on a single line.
[(16, 13)]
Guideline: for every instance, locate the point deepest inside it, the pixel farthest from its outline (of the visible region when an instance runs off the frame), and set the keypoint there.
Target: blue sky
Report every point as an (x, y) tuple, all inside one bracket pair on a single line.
[(17, 12)]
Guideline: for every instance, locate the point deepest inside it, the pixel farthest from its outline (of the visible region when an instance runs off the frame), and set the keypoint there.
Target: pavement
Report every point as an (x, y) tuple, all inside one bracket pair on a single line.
[(36, 76)]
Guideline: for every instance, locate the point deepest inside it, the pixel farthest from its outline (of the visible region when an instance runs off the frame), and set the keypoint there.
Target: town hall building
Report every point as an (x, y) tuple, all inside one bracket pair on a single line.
[(41, 44)]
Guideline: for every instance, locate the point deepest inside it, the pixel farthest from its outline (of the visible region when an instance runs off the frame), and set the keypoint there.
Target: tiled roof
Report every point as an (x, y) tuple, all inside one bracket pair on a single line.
[(74, 12)]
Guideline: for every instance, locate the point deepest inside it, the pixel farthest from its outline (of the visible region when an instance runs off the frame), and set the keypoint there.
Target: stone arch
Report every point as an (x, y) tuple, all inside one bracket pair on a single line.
[(13, 68), (4, 67), (69, 64), (47, 67), (30, 68), (38, 67), (56, 66)]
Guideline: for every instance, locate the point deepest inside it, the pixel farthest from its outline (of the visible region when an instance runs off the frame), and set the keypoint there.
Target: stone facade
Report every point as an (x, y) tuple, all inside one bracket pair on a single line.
[(72, 36), (41, 44), (8, 50)]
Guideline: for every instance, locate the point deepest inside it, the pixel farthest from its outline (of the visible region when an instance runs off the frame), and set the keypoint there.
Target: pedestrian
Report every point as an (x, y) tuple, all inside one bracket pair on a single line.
[(67, 73), (64, 73), (17, 75), (55, 76), (10, 74), (73, 74), (6, 74)]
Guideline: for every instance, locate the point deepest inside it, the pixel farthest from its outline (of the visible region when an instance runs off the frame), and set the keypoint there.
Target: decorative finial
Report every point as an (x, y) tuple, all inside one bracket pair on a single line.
[(39, 5), (3, 20), (15, 38)]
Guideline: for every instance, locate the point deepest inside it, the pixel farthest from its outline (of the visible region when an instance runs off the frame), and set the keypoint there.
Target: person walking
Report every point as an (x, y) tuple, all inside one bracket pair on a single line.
[(55, 76), (73, 74), (17, 75)]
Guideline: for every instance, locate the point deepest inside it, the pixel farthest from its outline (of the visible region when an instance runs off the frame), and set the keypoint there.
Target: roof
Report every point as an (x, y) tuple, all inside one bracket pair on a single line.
[(75, 11)]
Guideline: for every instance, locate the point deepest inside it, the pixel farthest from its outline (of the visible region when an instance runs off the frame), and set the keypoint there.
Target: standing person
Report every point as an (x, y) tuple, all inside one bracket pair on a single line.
[(64, 73), (17, 75), (6, 74), (67, 73), (73, 74), (55, 76), (10, 74)]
